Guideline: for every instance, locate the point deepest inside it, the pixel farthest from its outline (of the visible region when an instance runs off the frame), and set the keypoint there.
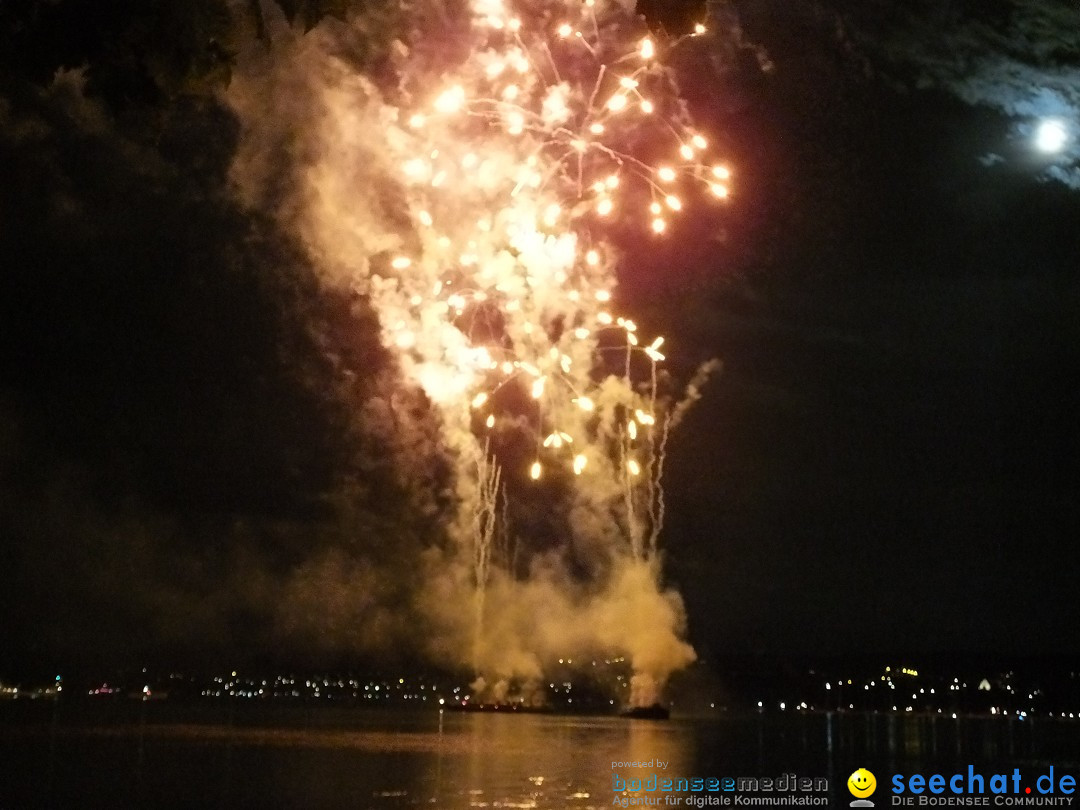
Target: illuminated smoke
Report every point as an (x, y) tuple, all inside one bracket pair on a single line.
[(471, 210)]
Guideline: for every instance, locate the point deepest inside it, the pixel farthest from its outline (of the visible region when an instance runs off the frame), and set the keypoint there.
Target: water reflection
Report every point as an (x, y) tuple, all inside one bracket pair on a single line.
[(511, 761), (302, 758)]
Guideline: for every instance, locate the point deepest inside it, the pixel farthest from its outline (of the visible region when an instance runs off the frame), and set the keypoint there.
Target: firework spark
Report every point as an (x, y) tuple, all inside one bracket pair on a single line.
[(501, 310), (512, 167), (495, 291)]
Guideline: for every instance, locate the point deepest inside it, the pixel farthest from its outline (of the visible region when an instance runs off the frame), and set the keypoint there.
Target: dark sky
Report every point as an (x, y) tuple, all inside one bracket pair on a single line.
[(887, 463), (893, 444)]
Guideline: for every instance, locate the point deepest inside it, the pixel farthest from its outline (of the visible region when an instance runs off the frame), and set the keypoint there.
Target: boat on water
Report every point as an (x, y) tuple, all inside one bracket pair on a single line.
[(653, 712)]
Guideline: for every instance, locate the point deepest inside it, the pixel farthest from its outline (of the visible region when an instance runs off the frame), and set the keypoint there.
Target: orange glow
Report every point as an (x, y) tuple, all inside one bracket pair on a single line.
[(513, 166)]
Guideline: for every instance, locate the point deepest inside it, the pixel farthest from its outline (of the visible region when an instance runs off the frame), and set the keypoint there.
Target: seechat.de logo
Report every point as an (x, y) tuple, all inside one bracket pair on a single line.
[(862, 785)]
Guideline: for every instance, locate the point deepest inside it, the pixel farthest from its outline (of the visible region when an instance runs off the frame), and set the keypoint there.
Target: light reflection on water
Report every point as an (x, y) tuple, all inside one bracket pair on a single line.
[(355, 758)]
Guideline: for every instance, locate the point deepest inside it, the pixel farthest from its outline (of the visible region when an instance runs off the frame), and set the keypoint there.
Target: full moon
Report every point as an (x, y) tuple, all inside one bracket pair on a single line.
[(1051, 135)]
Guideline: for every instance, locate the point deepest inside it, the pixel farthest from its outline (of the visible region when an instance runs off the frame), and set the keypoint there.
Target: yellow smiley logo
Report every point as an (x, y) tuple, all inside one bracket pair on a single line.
[(861, 783)]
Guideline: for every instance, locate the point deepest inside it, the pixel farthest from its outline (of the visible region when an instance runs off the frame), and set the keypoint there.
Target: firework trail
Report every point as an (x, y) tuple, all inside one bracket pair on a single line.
[(494, 289)]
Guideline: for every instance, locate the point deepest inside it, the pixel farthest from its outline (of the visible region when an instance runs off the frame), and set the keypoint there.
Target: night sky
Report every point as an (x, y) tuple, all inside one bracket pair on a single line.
[(888, 462)]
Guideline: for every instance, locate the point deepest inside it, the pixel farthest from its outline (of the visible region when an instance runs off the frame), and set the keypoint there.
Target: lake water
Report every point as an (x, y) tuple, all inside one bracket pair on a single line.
[(214, 755)]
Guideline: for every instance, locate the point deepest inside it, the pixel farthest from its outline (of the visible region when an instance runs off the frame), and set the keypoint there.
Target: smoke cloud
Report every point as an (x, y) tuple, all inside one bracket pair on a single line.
[(565, 565)]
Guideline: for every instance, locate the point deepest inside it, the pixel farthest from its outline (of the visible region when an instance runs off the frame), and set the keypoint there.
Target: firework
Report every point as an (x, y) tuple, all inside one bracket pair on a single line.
[(555, 126), (560, 124), (507, 175)]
